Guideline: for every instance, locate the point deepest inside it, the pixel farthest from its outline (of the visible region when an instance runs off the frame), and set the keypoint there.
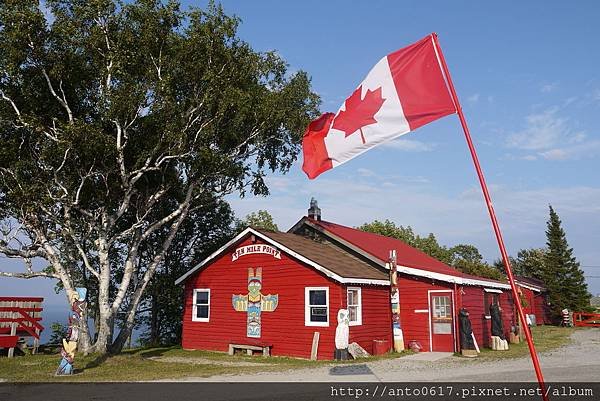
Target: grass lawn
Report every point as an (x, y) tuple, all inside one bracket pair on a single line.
[(141, 364), (545, 338)]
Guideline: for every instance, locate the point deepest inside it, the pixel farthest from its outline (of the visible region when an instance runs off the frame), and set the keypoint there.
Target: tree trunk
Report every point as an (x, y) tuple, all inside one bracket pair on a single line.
[(125, 332), (84, 343), (103, 334), (154, 332)]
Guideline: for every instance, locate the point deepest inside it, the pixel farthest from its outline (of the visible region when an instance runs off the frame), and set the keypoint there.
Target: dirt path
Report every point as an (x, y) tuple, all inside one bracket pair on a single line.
[(578, 361)]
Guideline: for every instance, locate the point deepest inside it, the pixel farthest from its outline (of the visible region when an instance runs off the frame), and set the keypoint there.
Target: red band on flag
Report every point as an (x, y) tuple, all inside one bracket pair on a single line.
[(420, 83), (316, 159)]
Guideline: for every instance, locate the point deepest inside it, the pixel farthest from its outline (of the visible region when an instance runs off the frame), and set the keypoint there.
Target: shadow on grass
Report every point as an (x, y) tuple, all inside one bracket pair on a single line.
[(96, 362), (148, 352)]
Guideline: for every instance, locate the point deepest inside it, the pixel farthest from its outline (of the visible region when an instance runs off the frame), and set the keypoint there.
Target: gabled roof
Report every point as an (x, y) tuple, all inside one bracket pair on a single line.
[(409, 260), (327, 259)]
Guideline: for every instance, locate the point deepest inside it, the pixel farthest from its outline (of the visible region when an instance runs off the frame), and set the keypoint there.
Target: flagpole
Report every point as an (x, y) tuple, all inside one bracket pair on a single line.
[(488, 200)]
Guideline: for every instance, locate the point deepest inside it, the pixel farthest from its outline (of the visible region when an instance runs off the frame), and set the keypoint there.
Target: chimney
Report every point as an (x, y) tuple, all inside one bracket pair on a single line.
[(314, 212)]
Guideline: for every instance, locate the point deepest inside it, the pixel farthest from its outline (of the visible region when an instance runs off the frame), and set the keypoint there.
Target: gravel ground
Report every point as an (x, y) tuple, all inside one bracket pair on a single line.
[(578, 361)]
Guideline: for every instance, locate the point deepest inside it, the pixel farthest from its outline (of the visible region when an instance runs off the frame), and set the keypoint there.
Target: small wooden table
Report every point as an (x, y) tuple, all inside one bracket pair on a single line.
[(250, 348)]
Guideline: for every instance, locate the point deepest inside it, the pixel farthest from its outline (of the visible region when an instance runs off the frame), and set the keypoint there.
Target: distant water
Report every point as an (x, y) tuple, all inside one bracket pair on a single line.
[(60, 314)]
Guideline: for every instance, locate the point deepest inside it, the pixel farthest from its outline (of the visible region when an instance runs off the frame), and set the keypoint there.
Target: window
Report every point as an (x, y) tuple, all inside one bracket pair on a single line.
[(354, 306), (442, 314), (488, 299), (442, 308), (316, 306), (201, 305)]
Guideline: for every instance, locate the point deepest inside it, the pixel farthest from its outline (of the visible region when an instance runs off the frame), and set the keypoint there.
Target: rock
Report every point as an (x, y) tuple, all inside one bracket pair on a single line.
[(357, 351)]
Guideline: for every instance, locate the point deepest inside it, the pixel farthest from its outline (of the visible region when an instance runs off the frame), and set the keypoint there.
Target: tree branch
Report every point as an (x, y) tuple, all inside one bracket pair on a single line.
[(29, 275), (15, 108), (62, 101)]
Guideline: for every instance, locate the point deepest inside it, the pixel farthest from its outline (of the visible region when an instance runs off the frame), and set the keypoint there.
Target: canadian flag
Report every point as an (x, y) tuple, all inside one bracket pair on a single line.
[(405, 89)]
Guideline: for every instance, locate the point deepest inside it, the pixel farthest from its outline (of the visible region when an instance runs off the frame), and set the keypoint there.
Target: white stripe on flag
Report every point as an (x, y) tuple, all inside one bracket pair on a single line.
[(391, 122)]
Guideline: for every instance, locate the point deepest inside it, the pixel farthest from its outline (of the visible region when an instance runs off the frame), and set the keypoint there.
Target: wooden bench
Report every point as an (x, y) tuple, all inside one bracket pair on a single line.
[(251, 347)]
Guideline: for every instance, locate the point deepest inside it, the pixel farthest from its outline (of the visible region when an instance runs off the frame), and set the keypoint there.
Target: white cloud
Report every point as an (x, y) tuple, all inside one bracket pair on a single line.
[(547, 88), (365, 172), (542, 131), (474, 98), (552, 137), (581, 150), (409, 145)]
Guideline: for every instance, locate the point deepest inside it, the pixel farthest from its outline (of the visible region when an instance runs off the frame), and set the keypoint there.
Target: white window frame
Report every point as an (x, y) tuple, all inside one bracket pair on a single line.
[(307, 306), (195, 317), (358, 321)]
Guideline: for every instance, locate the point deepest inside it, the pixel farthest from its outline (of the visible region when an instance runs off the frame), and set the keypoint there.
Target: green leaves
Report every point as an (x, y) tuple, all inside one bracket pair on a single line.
[(561, 271), (118, 118)]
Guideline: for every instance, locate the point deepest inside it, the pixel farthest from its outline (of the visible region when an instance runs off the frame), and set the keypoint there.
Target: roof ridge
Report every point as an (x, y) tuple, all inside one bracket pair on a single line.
[(388, 238)]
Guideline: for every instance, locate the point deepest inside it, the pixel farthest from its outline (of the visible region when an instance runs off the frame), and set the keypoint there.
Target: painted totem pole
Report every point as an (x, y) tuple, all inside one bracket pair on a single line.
[(70, 345), (254, 303), (395, 303)]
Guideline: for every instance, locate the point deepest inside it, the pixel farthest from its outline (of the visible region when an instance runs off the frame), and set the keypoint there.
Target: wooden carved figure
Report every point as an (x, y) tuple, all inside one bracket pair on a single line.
[(69, 345), (254, 303)]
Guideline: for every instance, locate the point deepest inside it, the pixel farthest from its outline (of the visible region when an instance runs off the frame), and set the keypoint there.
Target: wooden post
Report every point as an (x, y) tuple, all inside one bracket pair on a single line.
[(36, 342), (315, 346), (13, 332), (395, 304)]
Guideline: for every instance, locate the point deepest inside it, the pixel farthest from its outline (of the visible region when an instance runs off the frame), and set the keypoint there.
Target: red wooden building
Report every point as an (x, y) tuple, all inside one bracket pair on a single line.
[(278, 289), (534, 299)]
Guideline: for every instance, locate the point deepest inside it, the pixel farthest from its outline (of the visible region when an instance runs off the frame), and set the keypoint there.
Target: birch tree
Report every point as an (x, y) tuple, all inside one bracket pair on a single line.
[(118, 119)]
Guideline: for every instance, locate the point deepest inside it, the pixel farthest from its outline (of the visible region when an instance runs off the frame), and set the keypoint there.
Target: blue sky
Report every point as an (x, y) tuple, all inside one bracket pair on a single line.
[(527, 76)]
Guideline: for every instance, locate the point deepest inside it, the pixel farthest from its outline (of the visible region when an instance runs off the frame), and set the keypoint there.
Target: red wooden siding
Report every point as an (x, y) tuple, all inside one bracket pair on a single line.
[(376, 317), (508, 312), (414, 296), (542, 312), (528, 296), (473, 300), (284, 328)]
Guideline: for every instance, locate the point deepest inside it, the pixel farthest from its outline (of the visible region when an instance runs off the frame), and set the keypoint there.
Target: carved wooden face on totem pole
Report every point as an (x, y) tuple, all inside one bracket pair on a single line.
[(254, 303)]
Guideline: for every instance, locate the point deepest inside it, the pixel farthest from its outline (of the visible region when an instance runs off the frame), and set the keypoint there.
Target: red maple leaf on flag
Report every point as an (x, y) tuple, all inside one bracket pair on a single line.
[(359, 112)]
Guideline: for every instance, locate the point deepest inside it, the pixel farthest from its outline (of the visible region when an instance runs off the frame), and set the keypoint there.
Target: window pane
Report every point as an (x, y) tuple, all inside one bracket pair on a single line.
[(317, 297), (353, 312), (202, 311), (352, 297), (202, 297), (318, 314), (441, 306)]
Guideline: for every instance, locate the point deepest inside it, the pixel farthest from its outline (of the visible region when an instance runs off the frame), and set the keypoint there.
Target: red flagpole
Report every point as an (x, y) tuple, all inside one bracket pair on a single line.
[(488, 201)]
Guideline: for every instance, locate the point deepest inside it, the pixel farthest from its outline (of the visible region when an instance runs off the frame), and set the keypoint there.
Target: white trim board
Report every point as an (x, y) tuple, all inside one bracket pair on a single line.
[(250, 230), (529, 287)]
